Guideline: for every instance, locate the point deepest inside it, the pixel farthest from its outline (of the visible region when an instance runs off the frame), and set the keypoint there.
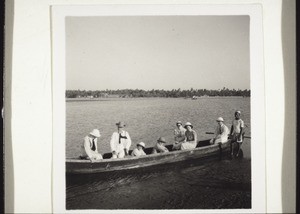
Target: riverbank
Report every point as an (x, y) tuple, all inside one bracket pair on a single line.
[(82, 99)]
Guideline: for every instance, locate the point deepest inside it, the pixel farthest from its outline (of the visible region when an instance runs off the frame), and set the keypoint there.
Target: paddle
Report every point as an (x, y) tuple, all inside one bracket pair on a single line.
[(214, 133)]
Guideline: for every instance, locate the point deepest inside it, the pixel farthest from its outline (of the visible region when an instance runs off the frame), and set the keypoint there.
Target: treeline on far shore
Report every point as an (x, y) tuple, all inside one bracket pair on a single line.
[(191, 93)]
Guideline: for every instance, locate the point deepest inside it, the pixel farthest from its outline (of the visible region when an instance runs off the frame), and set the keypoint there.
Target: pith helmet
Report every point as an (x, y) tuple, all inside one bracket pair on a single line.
[(162, 139), (178, 122), (188, 124), (95, 133), (142, 144), (220, 119)]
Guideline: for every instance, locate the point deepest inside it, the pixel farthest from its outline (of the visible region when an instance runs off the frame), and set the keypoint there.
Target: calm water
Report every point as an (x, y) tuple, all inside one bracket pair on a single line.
[(217, 183)]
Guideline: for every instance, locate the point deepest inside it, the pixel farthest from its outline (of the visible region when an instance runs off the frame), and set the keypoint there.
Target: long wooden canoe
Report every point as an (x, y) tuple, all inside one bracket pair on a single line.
[(202, 151)]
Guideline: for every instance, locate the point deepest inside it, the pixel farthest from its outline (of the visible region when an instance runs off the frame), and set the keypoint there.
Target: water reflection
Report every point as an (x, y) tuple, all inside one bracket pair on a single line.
[(215, 183)]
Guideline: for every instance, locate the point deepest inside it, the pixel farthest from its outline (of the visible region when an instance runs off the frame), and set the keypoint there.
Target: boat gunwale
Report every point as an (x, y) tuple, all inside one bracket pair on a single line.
[(171, 153)]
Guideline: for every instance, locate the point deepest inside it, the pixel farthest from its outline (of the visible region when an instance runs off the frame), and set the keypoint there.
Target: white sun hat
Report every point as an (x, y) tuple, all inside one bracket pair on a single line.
[(95, 133), (220, 119), (188, 124), (142, 144)]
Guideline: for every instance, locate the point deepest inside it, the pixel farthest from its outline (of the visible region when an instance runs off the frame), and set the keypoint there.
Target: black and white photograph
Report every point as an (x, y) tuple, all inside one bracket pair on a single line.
[(148, 100), (158, 112), (138, 106)]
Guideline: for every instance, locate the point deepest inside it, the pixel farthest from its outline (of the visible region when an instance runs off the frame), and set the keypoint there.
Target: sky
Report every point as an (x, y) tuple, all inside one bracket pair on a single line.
[(158, 52)]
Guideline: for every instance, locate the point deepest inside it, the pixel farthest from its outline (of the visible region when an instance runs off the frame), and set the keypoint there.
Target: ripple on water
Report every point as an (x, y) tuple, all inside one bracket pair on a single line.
[(206, 186), (214, 184)]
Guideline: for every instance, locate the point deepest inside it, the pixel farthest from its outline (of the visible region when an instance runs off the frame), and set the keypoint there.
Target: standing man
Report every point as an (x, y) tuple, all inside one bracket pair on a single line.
[(179, 136), (237, 131), (120, 142), (221, 132), (90, 148)]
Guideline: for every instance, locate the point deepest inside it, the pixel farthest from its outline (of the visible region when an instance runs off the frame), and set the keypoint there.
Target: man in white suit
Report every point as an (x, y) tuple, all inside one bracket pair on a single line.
[(90, 147), (120, 142)]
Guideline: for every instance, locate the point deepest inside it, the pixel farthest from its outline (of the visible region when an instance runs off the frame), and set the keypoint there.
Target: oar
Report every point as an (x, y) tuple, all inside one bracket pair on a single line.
[(214, 133)]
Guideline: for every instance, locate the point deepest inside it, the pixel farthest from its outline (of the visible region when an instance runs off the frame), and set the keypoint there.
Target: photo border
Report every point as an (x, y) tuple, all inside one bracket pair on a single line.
[(258, 143)]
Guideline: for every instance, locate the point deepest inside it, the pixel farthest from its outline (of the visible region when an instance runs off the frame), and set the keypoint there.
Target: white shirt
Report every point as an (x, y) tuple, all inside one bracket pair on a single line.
[(237, 125), (180, 134), (159, 148), (87, 147), (222, 132), (125, 143), (137, 152)]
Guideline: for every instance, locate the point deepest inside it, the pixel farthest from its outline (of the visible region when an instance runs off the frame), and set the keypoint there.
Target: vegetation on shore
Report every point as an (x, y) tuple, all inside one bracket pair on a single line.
[(157, 93)]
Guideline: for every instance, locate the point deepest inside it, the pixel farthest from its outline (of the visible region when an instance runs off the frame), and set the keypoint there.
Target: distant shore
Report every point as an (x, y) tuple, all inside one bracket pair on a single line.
[(83, 99), (140, 93)]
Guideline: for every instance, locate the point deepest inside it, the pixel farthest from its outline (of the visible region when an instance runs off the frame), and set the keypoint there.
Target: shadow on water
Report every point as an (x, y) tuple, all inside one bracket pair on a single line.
[(213, 183)]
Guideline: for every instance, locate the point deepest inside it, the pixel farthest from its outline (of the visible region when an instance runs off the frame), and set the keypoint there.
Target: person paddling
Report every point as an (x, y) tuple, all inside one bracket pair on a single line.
[(120, 141), (237, 131), (90, 148)]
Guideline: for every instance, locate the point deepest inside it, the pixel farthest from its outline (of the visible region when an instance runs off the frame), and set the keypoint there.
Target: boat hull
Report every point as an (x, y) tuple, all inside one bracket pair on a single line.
[(77, 166)]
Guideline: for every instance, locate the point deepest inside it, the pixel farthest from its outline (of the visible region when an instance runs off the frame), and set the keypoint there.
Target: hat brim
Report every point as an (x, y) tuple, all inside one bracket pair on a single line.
[(120, 126), (95, 135), (161, 141), (141, 145), (188, 125)]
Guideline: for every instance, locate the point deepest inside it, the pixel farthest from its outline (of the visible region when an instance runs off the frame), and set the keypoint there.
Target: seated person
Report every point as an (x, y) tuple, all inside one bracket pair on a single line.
[(221, 132), (191, 137), (160, 146), (179, 136), (90, 148), (139, 150)]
